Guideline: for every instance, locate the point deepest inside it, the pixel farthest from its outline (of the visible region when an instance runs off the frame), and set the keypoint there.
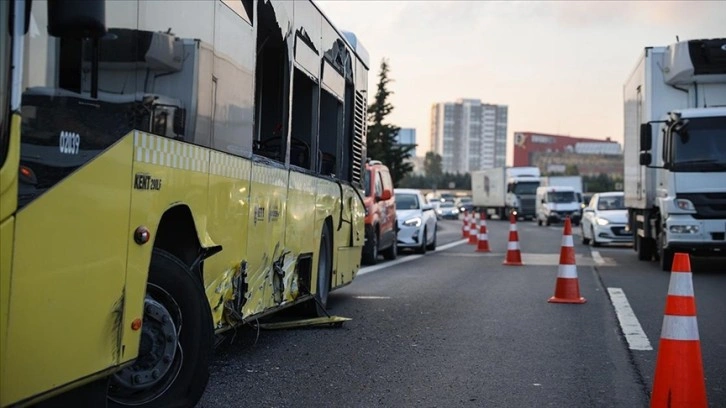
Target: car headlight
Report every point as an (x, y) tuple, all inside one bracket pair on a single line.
[(454, 211), (439, 212), (603, 221), (413, 222), (684, 229)]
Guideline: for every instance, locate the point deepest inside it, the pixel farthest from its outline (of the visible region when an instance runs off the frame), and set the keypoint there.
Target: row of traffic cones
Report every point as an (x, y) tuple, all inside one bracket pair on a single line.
[(481, 240), (679, 380)]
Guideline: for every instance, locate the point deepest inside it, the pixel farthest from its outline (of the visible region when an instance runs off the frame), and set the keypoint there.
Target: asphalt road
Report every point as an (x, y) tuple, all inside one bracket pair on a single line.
[(456, 328)]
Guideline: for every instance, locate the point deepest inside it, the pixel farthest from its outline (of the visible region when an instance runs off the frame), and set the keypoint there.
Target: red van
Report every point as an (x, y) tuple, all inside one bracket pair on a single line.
[(381, 226)]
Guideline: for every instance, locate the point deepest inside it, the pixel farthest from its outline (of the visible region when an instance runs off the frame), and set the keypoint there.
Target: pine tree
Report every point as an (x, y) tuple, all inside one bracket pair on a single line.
[(381, 142)]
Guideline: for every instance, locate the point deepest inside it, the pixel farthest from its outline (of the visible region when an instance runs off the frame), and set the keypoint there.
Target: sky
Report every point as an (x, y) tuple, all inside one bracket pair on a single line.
[(558, 66)]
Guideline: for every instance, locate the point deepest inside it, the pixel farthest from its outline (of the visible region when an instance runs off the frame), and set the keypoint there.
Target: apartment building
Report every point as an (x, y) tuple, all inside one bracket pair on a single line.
[(469, 135)]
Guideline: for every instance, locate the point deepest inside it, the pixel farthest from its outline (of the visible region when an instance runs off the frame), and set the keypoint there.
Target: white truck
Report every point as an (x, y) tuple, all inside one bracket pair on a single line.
[(675, 150), (556, 203), (500, 190)]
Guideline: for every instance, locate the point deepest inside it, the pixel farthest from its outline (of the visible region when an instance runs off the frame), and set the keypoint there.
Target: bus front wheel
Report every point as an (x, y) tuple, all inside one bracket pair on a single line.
[(176, 341)]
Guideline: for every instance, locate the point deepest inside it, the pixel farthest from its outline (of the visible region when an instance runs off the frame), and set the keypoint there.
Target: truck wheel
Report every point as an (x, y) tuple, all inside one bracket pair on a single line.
[(644, 251), (665, 255), (171, 369)]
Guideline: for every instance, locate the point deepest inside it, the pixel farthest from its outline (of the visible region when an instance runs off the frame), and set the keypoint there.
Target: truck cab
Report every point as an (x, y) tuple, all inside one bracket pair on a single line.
[(675, 150), (556, 203)]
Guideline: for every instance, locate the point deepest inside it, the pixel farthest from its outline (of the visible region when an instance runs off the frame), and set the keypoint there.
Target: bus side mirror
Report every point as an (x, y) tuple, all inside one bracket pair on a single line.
[(77, 18), (645, 159), (646, 137)]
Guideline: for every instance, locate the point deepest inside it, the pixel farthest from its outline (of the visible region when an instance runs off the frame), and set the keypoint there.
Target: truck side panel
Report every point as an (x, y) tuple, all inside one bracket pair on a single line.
[(488, 187)]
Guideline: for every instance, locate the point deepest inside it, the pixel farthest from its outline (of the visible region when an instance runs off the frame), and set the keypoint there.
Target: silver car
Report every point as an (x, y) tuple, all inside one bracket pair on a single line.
[(605, 220), (416, 221)]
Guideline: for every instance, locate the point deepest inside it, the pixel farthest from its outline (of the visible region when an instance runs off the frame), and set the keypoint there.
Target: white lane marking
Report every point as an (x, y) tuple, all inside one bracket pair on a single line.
[(372, 297), (597, 257), (634, 334), (373, 268)]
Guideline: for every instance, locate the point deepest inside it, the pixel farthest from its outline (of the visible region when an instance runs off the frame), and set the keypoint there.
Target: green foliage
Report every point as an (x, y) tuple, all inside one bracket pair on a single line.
[(381, 142), (600, 183), (432, 164), (461, 181)]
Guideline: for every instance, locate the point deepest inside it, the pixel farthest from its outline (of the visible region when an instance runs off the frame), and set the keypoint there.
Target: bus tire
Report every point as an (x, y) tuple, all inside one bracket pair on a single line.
[(173, 294), (325, 267)]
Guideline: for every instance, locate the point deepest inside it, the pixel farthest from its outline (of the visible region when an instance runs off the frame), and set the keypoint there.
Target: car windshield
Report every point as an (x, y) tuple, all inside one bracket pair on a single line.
[(607, 203), (561, 197), (406, 202)]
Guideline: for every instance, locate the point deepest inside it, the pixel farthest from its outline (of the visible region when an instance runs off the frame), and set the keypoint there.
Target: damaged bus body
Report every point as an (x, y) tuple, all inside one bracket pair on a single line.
[(167, 162)]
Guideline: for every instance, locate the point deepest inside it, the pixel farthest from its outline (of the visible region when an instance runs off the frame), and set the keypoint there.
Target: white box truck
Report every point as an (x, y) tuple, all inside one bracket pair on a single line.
[(675, 150), (503, 189), (564, 181)]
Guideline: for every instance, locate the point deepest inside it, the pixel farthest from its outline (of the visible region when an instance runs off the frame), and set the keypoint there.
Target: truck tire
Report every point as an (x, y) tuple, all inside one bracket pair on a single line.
[(665, 255), (644, 248), (171, 369)]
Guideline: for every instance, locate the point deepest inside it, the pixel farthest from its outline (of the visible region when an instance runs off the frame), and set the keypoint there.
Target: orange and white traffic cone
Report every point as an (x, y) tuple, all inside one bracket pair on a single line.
[(514, 256), (679, 380), (567, 289), (483, 241), (473, 234), (465, 227)]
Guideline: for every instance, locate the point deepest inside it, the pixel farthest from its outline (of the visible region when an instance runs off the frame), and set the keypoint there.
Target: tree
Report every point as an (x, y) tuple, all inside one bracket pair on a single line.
[(381, 143), (432, 164)]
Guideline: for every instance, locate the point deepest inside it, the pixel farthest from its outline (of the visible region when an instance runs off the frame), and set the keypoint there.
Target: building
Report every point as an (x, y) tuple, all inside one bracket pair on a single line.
[(407, 137), (469, 135), (554, 153)]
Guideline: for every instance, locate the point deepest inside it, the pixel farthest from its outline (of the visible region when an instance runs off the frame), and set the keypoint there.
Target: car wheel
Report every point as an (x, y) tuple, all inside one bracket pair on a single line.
[(391, 252), (422, 249), (432, 245), (370, 254), (594, 239), (539, 222), (585, 240)]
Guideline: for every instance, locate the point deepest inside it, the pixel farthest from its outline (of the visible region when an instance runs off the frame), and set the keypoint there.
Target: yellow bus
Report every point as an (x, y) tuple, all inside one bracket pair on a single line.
[(169, 170)]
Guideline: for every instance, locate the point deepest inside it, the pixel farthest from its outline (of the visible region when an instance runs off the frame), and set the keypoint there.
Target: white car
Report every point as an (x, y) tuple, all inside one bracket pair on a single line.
[(416, 221), (605, 220)]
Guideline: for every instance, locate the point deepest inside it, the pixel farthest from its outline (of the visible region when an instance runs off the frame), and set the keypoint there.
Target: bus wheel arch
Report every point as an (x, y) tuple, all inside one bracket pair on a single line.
[(325, 267), (177, 235)]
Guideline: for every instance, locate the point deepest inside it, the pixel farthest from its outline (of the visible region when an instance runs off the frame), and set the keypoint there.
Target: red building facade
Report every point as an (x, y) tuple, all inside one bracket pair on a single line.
[(527, 144)]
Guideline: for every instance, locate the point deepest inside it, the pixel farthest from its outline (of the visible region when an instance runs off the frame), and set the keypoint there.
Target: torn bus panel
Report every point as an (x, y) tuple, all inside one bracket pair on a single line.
[(227, 295)]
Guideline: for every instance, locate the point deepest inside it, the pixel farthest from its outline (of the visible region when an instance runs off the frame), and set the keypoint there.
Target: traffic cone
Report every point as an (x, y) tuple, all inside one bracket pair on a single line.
[(514, 257), (483, 241), (473, 235), (679, 380), (465, 227), (567, 289)]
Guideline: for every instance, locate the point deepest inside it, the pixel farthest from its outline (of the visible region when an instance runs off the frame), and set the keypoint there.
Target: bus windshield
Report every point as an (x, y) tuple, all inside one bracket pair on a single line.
[(4, 83)]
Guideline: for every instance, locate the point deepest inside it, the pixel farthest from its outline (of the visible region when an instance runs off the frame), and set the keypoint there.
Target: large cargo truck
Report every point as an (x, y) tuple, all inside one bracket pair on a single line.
[(675, 150), (502, 190)]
